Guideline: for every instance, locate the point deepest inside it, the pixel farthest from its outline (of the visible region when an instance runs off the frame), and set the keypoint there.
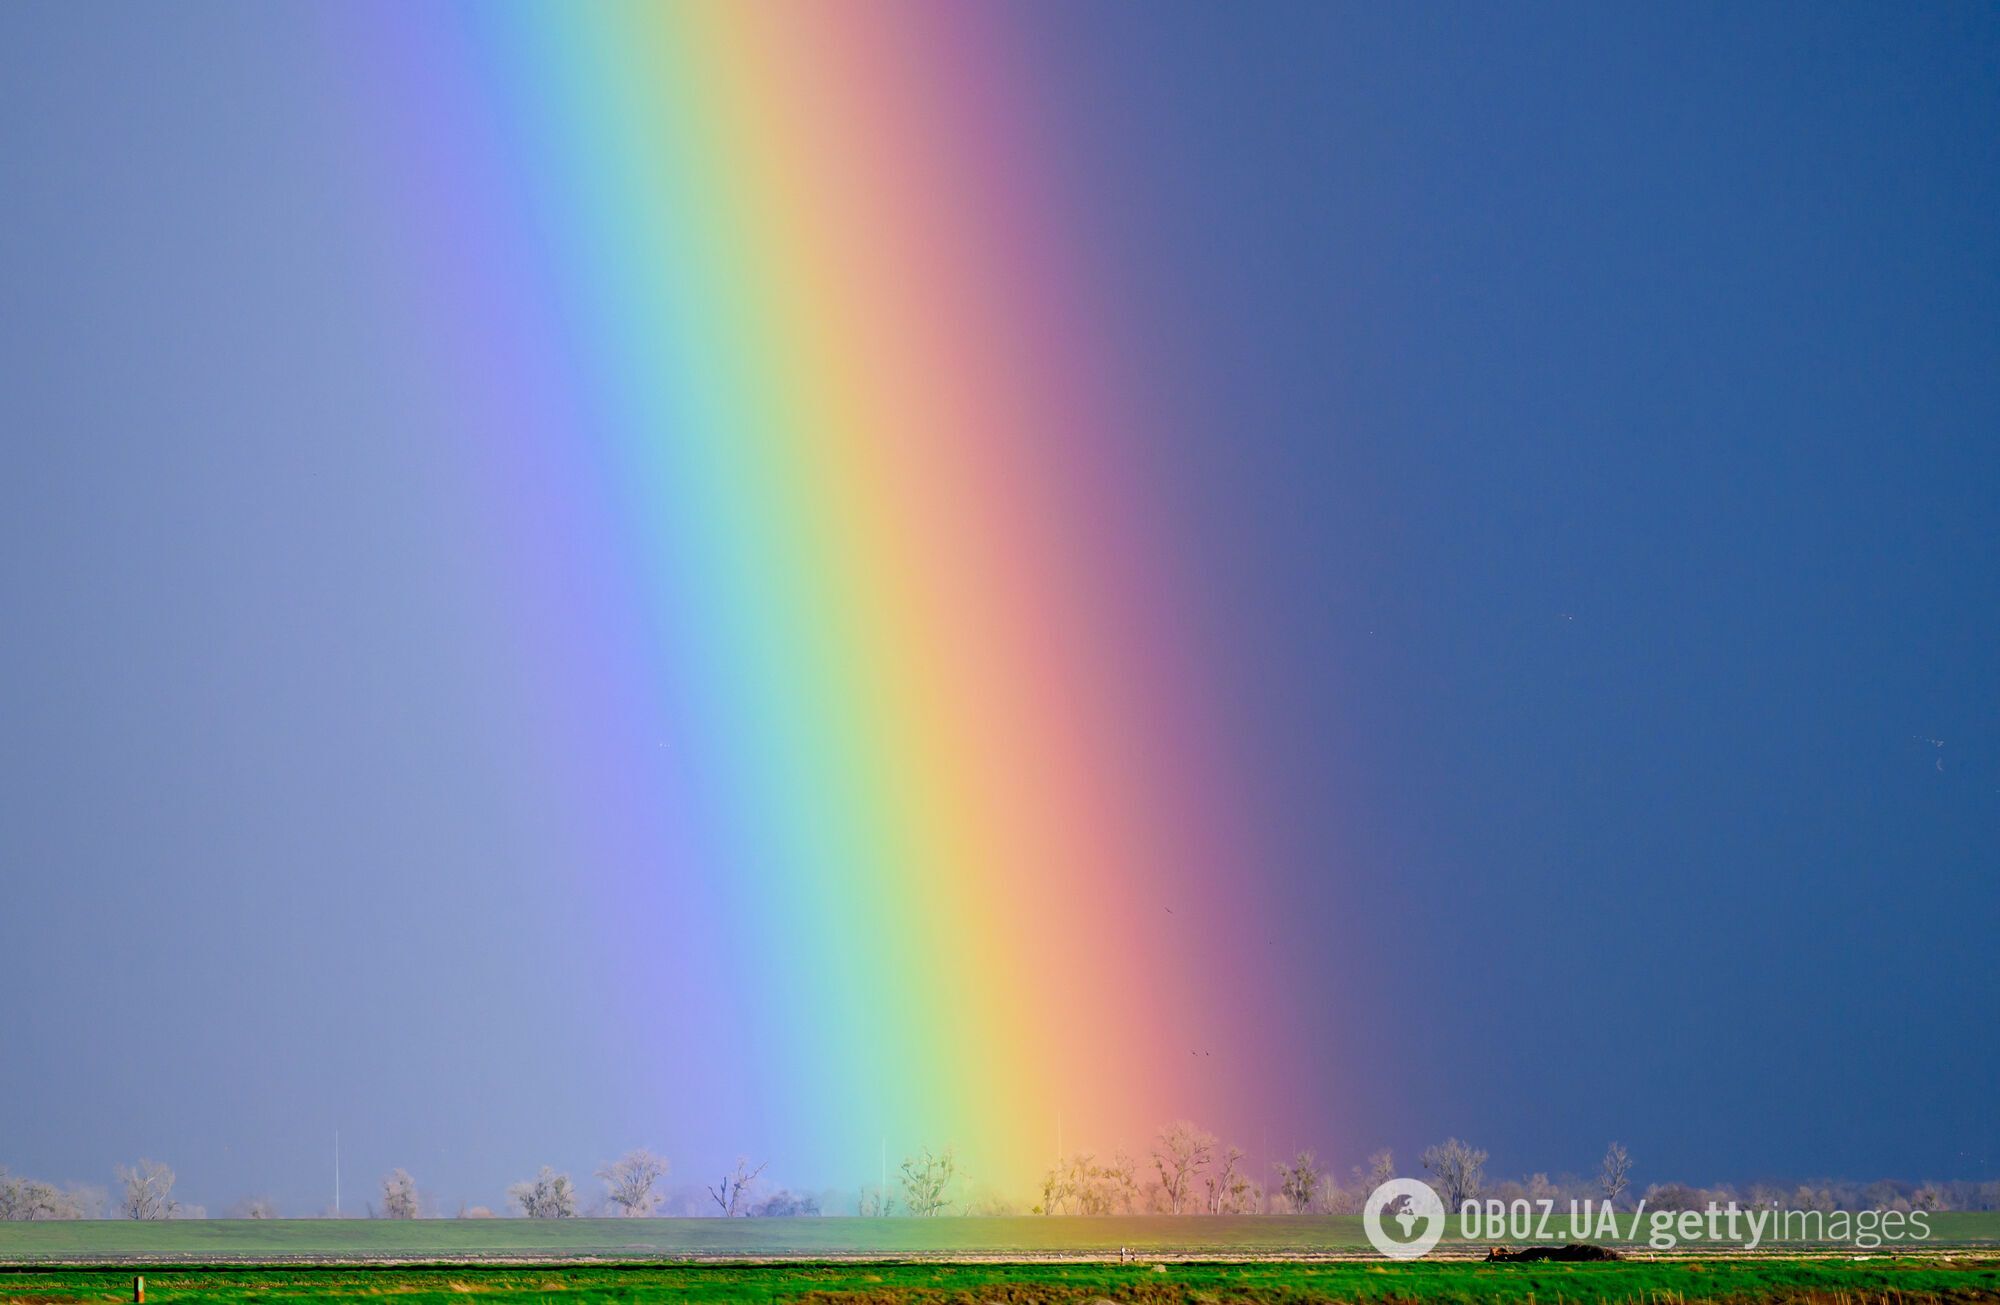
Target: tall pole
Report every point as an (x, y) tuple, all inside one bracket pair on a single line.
[(336, 1173)]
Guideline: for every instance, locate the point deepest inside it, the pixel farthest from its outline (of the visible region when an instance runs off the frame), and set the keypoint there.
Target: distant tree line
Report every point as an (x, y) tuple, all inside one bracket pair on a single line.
[(23, 1199), (1185, 1170), (1188, 1170)]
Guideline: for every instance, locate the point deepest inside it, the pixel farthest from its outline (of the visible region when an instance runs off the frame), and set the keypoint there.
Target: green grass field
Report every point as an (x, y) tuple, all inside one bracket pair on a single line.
[(1766, 1282), (1017, 1261), (1027, 1237)]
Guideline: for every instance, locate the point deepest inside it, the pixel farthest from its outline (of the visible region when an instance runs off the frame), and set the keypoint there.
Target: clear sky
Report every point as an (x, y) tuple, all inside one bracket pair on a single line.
[(1583, 427)]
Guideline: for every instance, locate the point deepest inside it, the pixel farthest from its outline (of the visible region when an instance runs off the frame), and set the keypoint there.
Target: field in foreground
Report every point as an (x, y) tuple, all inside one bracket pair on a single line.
[(216, 1241), (1764, 1282)]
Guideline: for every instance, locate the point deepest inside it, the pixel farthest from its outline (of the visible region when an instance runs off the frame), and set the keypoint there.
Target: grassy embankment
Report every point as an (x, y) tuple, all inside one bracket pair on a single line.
[(264, 1241), (1765, 1282)]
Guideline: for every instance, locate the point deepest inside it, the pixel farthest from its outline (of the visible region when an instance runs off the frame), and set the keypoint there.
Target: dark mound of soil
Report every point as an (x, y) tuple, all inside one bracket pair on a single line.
[(1575, 1251)]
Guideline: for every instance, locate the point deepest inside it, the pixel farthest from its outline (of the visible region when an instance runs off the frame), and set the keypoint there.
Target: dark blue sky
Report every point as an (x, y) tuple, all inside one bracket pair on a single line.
[(1588, 416), (1597, 408)]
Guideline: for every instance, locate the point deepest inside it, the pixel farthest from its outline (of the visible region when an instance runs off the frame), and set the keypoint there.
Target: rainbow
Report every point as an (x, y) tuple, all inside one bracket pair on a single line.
[(876, 730)]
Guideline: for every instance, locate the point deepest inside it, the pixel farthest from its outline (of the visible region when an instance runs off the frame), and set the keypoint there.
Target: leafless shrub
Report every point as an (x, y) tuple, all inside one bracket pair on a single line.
[(548, 1195), (399, 1195), (991, 1205), (782, 1204), (729, 1197), (25, 1199), (1675, 1196)]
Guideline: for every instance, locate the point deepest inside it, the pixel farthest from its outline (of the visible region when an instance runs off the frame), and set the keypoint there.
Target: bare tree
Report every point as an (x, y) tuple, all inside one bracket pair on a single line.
[(1227, 1186), (1299, 1181), (926, 1180), (1055, 1189), (1458, 1169), (548, 1195), (1332, 1198), (1615, 1175), (875, 1203), (1084, 1186), (148, 1191), (255, 1207), (729, 1197), (629, 1181), (399, 1195), (1381, 1168), (1122, 1177), (1092, 1185), (23, 1199), (1180, 1153)]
